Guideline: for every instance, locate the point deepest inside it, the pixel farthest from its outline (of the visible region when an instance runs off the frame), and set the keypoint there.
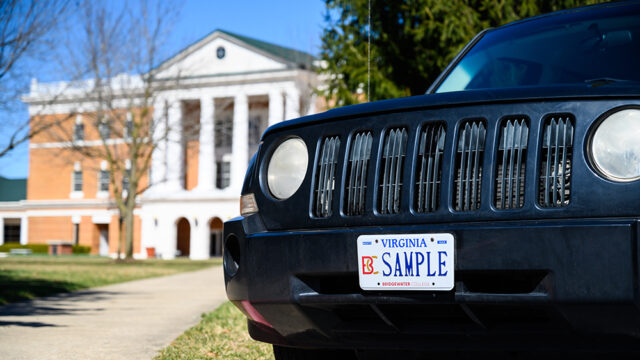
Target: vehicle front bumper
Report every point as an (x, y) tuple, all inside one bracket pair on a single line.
[(519, 284)]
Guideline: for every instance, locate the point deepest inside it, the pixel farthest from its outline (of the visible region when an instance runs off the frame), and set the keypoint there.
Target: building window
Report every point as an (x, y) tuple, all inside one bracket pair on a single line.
[(223, 174), (128, 128), (256, 128), (105, 130), (223, 125), (220, 52), (12, 232), (258, 120), (103, 180), (126, 180), (78, 132), (77, 180)]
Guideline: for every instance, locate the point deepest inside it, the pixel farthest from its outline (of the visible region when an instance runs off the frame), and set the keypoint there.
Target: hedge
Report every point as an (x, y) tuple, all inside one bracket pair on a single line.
[(42, 248), (79, 249), (35, 248)]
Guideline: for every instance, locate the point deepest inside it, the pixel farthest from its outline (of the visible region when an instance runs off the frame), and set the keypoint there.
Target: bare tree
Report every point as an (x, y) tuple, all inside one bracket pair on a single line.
[(25, 29), (117, 49)]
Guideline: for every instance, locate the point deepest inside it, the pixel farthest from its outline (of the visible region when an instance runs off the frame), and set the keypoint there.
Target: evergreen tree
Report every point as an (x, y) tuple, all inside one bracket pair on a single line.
[(412, 41)]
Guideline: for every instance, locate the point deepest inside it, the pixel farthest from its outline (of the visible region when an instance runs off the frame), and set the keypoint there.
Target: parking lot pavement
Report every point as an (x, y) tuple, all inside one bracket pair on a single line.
[(132, 320)]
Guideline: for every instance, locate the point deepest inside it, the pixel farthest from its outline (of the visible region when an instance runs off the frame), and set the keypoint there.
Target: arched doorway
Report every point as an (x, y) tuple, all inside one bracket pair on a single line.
[(184, 236), (215, 237)]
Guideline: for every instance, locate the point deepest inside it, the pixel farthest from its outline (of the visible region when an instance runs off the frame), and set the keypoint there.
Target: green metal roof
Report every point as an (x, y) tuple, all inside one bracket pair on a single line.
[(301, 58), (13, 189)]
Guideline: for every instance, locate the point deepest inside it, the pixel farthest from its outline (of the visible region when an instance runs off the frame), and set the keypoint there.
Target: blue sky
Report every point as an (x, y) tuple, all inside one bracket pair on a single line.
[(292, 23)]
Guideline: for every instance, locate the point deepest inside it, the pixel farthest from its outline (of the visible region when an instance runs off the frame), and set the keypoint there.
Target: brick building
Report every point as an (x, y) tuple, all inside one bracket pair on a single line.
[(232, 87)]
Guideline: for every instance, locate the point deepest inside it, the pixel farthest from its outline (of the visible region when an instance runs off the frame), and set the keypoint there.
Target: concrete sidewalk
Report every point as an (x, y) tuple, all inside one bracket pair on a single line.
[(132, 320)]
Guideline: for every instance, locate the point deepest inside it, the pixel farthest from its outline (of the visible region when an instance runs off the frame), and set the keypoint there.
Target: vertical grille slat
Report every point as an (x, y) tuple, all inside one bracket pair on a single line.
[(356, 183), (474, 189), (555, 162), (392, 172), (321, 183), (429, 174), (555, 176), (469, 158), (365, 154), (354, 178), (393, 154), (325, 181), (385, 170), (460, 171), (436, 171), (330, 179), (512, 176), (564, 159), (521, 171), (510, 168)]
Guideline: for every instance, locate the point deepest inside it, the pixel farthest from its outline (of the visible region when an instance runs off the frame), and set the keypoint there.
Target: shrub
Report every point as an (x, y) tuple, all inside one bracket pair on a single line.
[(42, 248), (79, 249), (35, 248)]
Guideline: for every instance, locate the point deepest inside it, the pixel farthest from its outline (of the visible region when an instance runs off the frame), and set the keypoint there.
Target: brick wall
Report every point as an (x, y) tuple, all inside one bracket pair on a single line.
[(45, 228)]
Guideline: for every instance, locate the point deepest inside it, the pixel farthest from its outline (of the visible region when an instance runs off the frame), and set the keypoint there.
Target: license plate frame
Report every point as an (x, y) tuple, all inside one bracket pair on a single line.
[(401, 262)]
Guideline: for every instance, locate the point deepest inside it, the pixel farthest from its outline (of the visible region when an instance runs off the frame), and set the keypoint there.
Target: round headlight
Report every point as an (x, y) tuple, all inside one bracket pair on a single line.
[(615, 146), (287, 168)]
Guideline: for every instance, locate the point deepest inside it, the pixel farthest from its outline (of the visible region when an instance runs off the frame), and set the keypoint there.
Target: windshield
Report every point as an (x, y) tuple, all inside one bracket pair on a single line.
[(571, 48)]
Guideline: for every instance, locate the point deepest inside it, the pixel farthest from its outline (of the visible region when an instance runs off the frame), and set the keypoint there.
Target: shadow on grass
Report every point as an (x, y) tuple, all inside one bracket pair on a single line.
[(13, 289)]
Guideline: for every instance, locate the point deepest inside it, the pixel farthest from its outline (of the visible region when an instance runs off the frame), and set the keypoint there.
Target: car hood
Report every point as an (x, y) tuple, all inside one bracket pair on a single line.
[(626, 89)]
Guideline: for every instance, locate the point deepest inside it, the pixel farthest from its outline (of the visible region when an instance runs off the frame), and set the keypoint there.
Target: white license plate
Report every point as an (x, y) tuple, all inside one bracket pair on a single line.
[(406, 262)]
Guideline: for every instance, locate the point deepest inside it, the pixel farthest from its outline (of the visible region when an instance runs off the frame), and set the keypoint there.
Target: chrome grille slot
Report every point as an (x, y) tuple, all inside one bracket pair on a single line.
[(429, 163), (356, 177), (468, 169), (511, 162), (392, 160), (556, 157), (326, 176)]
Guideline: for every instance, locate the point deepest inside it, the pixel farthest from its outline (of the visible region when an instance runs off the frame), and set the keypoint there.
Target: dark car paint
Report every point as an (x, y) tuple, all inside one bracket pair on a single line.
[(529, 278)]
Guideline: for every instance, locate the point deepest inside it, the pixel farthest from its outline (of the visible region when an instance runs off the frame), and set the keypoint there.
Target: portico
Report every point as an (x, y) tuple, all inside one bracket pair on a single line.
[(214, 120)]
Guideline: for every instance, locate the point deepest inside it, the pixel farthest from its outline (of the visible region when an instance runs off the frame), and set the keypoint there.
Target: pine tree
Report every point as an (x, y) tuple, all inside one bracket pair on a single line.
[(412, 41)]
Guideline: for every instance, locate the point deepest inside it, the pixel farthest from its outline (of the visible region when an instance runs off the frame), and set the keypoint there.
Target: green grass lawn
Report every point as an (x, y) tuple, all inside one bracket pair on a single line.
[(221, 334), (26, 277)]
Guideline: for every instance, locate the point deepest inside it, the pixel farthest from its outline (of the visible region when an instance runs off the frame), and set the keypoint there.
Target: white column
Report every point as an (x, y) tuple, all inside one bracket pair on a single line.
[(292, 105), (169, 239), (175, 149), (206, 157), (312, 105), (199, 242), (158, 160), (146, 231), (24, 230), (275, 107), (240, 147), (1, 231)]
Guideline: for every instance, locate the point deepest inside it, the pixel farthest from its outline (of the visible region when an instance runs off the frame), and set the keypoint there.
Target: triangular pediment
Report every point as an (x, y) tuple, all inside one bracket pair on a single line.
[(222, 53)]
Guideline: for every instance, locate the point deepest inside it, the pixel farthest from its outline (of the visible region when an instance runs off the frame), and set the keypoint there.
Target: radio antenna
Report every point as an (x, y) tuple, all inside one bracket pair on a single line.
[(369, 55)]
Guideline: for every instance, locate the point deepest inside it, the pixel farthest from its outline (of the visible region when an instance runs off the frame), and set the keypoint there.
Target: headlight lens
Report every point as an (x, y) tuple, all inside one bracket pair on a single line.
[(287, 168), (615, 146)]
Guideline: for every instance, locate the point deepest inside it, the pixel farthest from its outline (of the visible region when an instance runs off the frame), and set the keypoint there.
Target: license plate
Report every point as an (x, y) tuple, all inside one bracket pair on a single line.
[(406, 262)]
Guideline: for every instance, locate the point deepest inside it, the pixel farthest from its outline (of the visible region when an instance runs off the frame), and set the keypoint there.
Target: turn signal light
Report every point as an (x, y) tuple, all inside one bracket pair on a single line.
[(248, 205)]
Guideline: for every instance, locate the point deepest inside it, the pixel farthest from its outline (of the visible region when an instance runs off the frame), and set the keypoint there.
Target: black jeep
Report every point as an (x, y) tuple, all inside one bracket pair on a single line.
[(499, 212)]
